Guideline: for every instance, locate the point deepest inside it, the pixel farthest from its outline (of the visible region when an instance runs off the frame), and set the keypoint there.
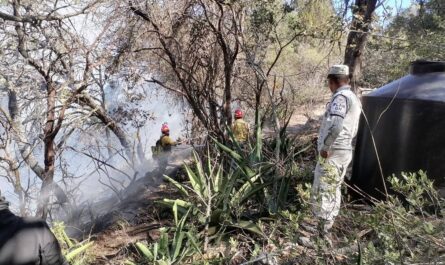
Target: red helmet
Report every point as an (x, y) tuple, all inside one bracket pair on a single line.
[(164, 128), (239, 114)]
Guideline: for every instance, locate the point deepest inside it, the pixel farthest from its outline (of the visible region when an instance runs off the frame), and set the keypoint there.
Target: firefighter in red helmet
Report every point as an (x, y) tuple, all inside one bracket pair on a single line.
[(240, 128), (163, 147), (166, 141)]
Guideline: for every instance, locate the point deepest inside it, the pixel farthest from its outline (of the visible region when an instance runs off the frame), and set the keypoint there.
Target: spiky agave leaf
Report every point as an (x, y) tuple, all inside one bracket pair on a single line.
[(240, 160), (248, 226), (178, 237), (245, 189), (148, 255), (78, 251), (181, 205), (195, 181), (178, 185), (258, 149), (201, 175)]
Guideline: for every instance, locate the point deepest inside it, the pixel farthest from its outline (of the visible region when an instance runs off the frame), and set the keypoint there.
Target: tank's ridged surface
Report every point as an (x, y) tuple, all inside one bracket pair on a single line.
[(407, 120)]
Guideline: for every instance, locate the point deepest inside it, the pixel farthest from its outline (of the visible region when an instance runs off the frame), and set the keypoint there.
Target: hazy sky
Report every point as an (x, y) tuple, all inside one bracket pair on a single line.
[(399, 4)]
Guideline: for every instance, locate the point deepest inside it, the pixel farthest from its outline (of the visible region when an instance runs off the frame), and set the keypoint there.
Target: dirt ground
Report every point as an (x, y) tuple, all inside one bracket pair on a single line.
[(114, 244)]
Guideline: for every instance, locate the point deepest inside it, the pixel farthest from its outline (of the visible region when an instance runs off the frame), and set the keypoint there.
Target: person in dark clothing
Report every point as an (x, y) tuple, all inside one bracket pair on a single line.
[(26, 241)]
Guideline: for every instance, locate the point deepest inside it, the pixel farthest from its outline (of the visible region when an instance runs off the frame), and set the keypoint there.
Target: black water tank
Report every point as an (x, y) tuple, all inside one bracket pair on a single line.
[(407, 119)]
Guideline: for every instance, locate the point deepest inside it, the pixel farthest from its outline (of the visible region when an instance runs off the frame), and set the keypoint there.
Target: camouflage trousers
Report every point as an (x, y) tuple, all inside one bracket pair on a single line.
[(326, 189)]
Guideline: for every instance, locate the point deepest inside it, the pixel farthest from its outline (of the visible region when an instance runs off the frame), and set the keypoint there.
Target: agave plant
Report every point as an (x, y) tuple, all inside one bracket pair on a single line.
[(165, 252), (270, 162), (75, 252), (224, 191), (214, 195)]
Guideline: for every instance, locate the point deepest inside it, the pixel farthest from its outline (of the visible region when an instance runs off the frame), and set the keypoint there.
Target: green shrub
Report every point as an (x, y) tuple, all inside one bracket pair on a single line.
[(405, 229)]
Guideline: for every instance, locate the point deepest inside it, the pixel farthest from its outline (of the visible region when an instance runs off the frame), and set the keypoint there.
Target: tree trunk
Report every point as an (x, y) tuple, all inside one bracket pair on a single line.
[(363, 12), (25, 149), (228, 69), (49, 151), (14, 170)]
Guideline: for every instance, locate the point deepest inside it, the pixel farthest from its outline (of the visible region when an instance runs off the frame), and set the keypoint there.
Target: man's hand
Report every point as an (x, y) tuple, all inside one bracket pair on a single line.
[(324, 154)]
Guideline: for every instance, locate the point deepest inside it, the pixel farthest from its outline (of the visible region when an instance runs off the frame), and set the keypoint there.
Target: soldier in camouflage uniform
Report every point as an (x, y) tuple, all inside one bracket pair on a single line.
[(335, 147)]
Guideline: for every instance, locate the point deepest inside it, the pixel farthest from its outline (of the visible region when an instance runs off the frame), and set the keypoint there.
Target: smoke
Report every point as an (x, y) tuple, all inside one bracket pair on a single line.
[(94, 168), (98, 213), (102, 194), (120, 171)]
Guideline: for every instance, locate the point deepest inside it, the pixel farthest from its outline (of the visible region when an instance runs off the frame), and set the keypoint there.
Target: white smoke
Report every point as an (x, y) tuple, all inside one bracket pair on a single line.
[(87, 175)]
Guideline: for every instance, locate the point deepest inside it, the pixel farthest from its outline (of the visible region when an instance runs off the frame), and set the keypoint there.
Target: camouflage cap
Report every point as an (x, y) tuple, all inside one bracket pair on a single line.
[(339, 69)]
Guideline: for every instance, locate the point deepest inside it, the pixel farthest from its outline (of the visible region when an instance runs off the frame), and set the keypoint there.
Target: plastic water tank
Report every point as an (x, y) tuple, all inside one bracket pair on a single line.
[(407, 120)]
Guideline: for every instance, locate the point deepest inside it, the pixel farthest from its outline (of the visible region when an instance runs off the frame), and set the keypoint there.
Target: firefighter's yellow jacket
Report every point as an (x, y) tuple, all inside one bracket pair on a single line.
[(240, 130)]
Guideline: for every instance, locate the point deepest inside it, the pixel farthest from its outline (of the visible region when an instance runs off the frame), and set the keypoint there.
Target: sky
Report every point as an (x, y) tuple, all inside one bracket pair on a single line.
[(399, 3), (392, 6)]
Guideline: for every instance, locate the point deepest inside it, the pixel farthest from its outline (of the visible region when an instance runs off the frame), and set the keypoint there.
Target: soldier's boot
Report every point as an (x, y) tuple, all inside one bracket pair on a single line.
[(308, 233), (314, 230), (309, 225), (324, 227)]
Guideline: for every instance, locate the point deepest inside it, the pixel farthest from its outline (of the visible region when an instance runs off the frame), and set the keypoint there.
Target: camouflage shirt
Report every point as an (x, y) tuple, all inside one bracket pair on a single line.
[(340, 121)]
